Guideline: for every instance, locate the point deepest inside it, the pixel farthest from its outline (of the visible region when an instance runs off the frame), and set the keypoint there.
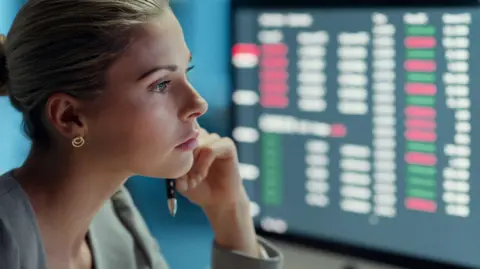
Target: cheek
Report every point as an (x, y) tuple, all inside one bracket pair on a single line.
[(151, 148), (136, 135)]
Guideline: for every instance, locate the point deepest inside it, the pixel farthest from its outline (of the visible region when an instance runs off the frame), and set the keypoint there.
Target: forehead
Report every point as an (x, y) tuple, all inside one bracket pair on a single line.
[(160, 42)]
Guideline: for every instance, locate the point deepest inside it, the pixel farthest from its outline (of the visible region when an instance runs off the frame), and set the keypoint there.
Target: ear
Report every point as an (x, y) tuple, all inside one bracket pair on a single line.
[(64, 115)]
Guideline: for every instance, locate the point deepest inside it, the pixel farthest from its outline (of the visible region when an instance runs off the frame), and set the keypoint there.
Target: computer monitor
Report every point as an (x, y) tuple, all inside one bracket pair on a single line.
[(356, 125)]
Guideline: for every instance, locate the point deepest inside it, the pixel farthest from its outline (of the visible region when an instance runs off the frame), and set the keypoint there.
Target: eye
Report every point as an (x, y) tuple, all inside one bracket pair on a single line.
[(188, 70), (161, 87)]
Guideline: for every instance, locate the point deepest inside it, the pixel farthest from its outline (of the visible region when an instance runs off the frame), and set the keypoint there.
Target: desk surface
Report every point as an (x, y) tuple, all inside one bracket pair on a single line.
[(298, 257)]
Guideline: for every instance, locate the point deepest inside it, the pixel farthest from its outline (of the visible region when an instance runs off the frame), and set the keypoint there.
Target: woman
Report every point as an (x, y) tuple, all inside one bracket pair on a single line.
[(103, 91)]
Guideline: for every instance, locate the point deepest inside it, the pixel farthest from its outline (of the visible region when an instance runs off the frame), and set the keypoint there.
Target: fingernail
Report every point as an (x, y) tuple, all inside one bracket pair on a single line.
[(193, 182), (182, 185)]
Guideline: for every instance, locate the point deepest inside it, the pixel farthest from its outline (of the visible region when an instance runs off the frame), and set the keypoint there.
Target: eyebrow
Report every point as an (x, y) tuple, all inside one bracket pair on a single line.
[(171, 68)]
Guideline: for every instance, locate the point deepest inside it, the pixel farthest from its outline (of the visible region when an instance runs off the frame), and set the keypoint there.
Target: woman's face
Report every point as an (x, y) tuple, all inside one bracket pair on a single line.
[(149, 108)]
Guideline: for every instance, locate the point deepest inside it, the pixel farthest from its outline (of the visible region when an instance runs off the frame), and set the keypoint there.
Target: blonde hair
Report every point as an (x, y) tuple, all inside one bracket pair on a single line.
[(65, 46)]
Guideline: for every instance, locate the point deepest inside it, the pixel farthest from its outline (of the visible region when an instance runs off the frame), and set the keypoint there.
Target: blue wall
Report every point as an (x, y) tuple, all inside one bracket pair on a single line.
[(186, 239), (13, 144), (206, 27)]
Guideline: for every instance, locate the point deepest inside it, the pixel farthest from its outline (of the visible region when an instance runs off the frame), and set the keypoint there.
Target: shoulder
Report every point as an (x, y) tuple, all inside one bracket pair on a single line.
[(18, 231), (15, 206), (15, 209), (9, 251)]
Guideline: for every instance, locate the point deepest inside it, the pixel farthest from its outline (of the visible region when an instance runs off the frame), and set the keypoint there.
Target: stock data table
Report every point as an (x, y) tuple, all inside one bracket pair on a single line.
[(356, 125)]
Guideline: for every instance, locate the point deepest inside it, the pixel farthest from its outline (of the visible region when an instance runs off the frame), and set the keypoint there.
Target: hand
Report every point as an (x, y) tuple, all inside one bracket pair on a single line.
[(214, 180), (214, 183)]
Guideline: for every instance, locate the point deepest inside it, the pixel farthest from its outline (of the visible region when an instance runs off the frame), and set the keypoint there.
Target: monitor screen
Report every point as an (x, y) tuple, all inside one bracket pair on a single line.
[(357, 126)]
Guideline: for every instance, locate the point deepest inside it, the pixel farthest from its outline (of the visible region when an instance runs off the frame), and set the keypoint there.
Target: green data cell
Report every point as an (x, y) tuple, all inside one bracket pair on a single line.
[(420, 54), (422, 170), (413, 181), (420, 30), (421, 77), (420, 100), (272, 163), (419, 193), (421, 147)]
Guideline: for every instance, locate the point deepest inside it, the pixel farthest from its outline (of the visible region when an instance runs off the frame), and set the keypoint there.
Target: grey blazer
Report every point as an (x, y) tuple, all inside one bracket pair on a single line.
[(118, 235)]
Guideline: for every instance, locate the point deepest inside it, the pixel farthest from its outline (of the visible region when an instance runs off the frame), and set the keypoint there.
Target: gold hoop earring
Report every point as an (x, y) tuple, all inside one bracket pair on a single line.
[(78, 142)]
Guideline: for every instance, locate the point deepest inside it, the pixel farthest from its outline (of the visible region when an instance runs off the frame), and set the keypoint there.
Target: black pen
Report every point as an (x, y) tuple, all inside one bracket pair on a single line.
[(171, 196)]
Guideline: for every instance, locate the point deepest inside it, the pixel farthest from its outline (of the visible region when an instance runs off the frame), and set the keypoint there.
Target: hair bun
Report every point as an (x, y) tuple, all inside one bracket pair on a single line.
[(3, 67)]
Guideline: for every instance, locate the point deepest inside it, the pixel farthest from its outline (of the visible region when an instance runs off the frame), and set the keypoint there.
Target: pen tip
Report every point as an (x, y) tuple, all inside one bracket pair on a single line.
[(172, 206)]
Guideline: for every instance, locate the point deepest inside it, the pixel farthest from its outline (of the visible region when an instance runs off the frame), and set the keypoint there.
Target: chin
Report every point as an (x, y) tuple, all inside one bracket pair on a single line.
[(177, 167)]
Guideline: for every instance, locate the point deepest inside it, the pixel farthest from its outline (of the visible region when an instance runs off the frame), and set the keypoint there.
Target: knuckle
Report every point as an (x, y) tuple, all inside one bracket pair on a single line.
[(207, 151), (230, 142)]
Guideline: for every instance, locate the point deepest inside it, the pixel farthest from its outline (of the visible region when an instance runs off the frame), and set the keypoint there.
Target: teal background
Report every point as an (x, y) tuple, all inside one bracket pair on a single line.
[(186, 239), (13, 144)]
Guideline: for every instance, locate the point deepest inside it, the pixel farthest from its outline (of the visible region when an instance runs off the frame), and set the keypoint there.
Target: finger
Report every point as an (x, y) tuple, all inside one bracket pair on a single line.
[(203, 131), (202, 134), (223, 148), (199, 171), (186, 184), (202, 144), (182, 184), (204, 156), (207, 139)]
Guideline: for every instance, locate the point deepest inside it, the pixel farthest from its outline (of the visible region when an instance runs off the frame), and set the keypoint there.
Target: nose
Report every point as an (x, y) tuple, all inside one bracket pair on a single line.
[(194, 106)]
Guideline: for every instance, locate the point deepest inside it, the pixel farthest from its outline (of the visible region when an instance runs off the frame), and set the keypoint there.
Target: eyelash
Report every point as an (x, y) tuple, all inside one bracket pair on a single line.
[(167, 82)]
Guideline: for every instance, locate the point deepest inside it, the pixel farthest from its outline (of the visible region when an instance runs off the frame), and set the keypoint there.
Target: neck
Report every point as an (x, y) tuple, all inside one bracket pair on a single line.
[(66, 194)]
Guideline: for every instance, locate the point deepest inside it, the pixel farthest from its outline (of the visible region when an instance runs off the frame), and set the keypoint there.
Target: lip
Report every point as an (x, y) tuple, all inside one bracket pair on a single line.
[(191, 138)]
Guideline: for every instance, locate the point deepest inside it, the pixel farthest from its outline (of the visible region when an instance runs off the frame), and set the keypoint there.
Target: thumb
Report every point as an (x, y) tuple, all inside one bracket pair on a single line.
[(204, 158)]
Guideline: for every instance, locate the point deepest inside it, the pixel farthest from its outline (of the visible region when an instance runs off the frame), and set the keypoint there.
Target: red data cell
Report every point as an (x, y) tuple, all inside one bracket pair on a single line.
[(418, 204), (245, 48), (420, 65), (420, 124), (338, 130), (274, 75), (421, 158), (420, 89), (419, 136), (273, 63), (274, 49), (420, 42), (420, 112), (274, 101), (274, 88)]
